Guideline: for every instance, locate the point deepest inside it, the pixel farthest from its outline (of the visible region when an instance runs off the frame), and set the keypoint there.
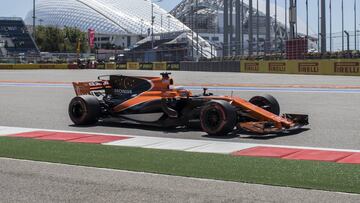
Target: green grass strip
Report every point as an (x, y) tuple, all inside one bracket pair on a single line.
[(299, 174)]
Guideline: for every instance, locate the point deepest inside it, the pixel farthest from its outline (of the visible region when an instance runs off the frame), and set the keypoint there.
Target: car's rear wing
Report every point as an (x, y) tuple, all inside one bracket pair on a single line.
[(85, 88)]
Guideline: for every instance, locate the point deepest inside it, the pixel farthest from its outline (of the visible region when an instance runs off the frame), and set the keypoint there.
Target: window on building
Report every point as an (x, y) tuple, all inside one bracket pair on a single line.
[(216, 39)]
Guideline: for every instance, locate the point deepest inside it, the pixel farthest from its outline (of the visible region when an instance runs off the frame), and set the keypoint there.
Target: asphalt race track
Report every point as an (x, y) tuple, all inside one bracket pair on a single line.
[(332, 102), (39, 99), (28, 181)]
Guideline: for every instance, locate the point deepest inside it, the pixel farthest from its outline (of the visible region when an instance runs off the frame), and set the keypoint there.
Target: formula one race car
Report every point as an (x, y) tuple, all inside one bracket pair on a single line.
[(154, 101)]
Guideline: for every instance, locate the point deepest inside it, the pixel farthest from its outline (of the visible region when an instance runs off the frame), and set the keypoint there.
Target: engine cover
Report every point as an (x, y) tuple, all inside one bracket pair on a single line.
[(124, 87)]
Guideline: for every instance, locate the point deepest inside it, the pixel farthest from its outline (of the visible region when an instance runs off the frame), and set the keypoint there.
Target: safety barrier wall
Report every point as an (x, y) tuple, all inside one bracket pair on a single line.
[(173, 66), (211, 66), (100, 66), (110, 66), (121, 66), (6, 66), (347, 67), (34, 66), (146, 66), (133, 65), (161, 66)]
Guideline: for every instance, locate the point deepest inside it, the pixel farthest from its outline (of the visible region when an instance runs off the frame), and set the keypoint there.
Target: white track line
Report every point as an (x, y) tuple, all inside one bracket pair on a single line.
[(138, 142), (204, 146), (180, 144), (12, 130), (222, 147)]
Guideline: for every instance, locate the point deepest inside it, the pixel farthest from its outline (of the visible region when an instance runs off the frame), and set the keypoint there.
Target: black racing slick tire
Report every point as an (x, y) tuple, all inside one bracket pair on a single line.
[(84, 110), (218, 118), (267, 102)]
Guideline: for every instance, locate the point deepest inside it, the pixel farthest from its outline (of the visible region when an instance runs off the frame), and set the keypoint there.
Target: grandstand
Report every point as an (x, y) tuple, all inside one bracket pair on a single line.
[(15, 39), (174, 46), (165, 50)]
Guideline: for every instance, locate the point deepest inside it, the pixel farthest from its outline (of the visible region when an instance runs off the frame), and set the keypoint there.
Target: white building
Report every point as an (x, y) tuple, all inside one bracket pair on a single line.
[(120, 22)]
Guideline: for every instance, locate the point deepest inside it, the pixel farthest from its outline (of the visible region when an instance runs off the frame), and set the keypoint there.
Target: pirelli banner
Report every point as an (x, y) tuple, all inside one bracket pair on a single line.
[(312, 67), (346, 68), (121, 66), (159, 66), (133, 65), (110, 66), (146, 66), (173, 66)]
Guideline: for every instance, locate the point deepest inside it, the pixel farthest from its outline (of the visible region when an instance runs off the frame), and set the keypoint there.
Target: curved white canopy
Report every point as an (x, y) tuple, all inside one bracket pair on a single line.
[(131, 17)]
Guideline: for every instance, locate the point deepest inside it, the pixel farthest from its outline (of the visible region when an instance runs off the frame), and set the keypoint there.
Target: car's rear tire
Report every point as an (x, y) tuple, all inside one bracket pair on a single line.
[(266, 102), (84, 110), (218, 118)]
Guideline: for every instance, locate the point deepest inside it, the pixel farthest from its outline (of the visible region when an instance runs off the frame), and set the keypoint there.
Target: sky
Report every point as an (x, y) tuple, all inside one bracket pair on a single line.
[(20, 8)]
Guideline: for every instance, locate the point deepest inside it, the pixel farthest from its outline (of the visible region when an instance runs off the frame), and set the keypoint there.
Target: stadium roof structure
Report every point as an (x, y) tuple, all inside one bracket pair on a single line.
[(113, 17), (128, 17)]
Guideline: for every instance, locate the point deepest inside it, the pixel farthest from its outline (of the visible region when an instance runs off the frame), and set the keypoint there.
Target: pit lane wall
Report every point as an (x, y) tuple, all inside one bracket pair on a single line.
[(347, 67)]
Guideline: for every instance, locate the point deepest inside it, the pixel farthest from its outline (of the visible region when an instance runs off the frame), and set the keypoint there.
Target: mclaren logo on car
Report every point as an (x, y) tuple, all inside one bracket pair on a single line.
[(122, 91)]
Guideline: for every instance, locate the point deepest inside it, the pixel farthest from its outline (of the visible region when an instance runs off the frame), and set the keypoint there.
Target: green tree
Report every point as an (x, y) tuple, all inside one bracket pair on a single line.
[(54, 39)]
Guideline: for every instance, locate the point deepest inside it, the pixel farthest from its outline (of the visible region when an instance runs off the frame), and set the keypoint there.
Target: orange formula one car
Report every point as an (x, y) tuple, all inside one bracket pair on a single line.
[(155, 101)]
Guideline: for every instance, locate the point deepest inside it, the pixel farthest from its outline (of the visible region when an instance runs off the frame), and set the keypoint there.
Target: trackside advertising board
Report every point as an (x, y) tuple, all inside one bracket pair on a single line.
[(159, 66), (346, 67), (33, 66), (146, 66), (173, 66), (133, 65)]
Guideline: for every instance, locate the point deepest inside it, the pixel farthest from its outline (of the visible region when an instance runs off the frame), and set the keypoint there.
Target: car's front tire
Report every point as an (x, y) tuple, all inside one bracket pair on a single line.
[(218, 118), (267, 102), (84, 110)]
